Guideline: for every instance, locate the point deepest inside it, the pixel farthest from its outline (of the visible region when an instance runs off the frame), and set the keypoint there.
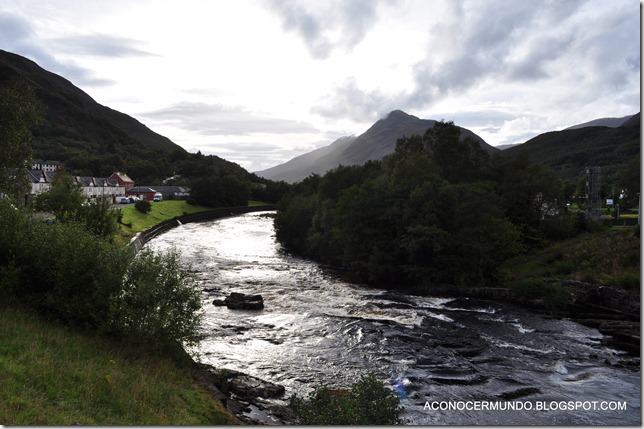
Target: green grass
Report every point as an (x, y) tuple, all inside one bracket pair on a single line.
[(610, 257), (162, 210), (52, 375)]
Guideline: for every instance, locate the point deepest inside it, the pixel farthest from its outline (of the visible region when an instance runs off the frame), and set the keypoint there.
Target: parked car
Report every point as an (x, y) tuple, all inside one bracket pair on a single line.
[(158, 197), (124, 200)]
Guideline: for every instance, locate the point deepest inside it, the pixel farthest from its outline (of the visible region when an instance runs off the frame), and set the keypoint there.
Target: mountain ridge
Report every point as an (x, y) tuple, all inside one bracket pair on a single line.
[(82, 133), (568, 152), (375, 143)]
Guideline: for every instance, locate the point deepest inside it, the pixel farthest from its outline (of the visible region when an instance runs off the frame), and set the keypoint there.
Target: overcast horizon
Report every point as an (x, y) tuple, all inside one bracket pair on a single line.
[(259, 82)]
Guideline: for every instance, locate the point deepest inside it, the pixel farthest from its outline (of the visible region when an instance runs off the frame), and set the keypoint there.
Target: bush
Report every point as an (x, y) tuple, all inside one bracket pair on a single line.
[(368, 402), (61, 268), (159, 300), (144, 206), (89, 282)]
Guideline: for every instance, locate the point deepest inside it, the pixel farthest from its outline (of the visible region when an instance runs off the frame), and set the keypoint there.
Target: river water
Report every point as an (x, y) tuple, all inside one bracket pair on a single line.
[(452, 361)]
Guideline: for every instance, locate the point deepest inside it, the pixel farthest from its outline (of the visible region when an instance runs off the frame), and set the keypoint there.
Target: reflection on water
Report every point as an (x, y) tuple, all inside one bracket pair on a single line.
[(318, 329)]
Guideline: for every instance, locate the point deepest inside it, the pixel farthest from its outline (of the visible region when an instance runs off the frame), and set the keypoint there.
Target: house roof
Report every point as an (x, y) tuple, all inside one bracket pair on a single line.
[(46, 162), (35, 176), (85, 181), (165, 190), (140, 190), (124, 177)]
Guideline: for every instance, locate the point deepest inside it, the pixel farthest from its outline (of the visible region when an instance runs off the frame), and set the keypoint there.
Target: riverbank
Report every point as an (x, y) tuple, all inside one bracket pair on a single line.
[(55, 375), (592, 279)]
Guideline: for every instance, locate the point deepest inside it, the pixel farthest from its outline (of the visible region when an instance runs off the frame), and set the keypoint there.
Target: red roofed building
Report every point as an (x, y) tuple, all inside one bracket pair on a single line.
[(123, 179)]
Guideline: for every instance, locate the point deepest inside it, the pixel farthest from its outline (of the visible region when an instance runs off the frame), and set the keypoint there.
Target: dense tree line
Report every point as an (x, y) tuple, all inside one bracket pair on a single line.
[(439, 210)]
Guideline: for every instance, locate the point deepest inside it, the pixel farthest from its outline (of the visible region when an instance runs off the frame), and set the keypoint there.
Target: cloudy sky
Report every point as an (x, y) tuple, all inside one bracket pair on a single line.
[(259, 82)]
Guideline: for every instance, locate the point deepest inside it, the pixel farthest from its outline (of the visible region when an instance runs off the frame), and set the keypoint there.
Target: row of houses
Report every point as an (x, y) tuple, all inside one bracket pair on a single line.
[(115, 187)]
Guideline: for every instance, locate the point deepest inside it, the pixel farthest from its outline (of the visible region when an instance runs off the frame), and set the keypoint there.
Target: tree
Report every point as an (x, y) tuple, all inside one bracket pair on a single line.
[(457, 159), (220, 191), (99, 218), (19, 110), (629, 180), (64, 198)]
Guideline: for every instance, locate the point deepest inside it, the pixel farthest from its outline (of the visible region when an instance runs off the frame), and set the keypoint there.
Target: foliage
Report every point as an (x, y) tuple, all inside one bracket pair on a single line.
[(368, 402), (87, 281), (158, 301), (144, 206), (437, 211), (220, 191), (100, 218), (19, 111), (64, 198), (61, 268)]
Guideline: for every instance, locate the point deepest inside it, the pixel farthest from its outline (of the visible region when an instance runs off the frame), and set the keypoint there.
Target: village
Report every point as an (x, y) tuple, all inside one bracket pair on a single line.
[(118, 187)]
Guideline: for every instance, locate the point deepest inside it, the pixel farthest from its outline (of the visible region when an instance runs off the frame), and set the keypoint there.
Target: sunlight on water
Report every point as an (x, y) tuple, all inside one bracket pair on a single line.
[(316, 328)]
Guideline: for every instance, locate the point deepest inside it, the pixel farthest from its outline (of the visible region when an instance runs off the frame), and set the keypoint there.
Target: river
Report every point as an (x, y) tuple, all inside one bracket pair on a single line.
[(453, 361)]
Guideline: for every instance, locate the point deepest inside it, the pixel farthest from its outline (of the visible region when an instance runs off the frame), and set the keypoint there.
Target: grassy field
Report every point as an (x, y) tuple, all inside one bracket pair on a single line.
[(52, 375)]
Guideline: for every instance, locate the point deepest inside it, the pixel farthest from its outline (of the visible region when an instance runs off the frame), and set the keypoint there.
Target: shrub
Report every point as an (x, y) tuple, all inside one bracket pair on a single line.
[(159, 300), (144, 206), (89, 282), (368, 402)]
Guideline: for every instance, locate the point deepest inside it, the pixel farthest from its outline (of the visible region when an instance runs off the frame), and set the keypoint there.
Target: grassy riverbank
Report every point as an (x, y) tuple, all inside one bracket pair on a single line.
[(610, 257), (134, 221), (54, 375)]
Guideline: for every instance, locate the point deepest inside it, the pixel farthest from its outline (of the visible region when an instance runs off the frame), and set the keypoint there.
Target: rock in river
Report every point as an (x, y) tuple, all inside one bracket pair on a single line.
[(241, 301)]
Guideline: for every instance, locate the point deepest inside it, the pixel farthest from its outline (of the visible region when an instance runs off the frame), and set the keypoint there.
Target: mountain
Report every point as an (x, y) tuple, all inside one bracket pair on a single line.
[(301, 166), (88, 137), (506, 146), (603, 122), (373, 144), (569, 151)]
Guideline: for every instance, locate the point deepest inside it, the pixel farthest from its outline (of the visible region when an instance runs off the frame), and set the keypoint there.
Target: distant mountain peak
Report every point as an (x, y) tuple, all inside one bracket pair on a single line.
[(374, 144)]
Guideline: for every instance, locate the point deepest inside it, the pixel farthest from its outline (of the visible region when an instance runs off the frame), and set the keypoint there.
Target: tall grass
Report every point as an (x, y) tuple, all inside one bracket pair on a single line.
[(54, 375)]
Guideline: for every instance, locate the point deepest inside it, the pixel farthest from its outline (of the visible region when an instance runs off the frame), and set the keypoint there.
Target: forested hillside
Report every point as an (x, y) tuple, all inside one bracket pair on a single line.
[(94, 140), (439, 210), (570, 151)]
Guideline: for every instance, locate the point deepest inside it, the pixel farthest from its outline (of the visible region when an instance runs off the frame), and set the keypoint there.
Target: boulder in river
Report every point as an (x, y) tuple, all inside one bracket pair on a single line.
[(241, 301)]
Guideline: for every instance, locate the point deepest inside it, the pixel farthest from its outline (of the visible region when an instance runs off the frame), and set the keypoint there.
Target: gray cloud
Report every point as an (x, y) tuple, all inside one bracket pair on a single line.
[(563, 47), (101, 45), (17, 36), (217, 119), (341, 24), (348, 101)]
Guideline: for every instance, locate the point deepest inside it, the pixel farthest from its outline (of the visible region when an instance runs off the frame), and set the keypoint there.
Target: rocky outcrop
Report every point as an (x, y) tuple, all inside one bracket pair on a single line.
[(241, 301), (251, 399), (604, 298)]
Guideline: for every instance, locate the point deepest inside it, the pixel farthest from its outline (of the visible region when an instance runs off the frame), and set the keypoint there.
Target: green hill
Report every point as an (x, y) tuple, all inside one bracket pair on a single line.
[(94, 140), (568, 152)]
